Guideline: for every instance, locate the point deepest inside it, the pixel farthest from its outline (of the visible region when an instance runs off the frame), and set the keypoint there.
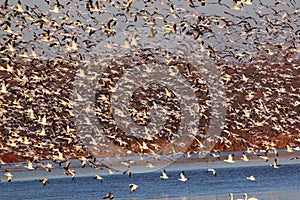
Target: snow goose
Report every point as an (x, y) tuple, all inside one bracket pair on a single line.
[(275, 164), (265, 158), (230, 159), (182, 177), (128, 172), (245, 158), (109, 196), (30, 166), (9, 176), (251, 178), (164, 175), (44, 181), (98, 178), (214, 172), (133, 187)]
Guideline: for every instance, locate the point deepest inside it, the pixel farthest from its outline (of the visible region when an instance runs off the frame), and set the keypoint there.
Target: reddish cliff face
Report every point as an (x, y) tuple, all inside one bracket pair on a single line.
[(37, 119)]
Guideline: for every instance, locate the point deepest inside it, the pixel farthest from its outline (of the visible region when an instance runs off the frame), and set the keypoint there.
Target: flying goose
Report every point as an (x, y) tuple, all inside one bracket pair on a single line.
[(70, 172), (295, 158), (30, 166), (230, 159), (109, 196), (98, 178), (275, 165), (289, 149), (43, 180), (9, 176), (251, 178), (245, 158), (164, 175), (109, 171), (182, 177), (83, 161), (150, 165), (133, 187), (265, 158), (214, 172), (128, 171)]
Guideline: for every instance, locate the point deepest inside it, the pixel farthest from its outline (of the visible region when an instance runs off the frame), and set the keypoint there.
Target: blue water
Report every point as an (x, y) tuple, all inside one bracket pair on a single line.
[(282, 183)]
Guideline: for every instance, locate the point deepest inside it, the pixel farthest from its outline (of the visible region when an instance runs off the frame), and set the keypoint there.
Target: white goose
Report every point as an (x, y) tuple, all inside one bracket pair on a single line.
[(265, 158), (230, 159), (275, 164), (44, 181), (245, 158), (133, 187), (251, 178), (128, 172), (98, 178), (9, 176), (182, 177), (164, 175), (109, 196), (214, 172), (150, 165), (30, 166), (289, 149), (70, 172)]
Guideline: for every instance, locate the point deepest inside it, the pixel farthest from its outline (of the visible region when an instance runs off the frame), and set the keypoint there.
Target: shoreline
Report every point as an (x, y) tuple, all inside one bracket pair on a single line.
[(116, 163)]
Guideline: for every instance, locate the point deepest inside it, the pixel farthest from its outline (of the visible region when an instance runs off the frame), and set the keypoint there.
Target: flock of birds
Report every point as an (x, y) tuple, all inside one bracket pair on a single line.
[(99, 165), (42, 46)]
